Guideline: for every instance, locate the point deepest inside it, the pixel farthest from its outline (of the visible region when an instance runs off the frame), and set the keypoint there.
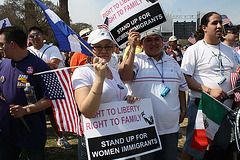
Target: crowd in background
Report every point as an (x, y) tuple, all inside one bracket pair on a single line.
[(149, 69)]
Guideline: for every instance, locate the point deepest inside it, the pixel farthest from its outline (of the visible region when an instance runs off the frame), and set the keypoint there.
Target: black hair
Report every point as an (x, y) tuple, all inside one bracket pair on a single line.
[(34, 28), (204, 21), (16, 35)]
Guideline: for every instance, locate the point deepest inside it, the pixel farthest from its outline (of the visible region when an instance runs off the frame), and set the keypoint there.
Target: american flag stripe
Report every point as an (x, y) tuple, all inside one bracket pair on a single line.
[(63, 102), (66, 91), (103, 26), (233, 79), (63, 110), (65, 79)]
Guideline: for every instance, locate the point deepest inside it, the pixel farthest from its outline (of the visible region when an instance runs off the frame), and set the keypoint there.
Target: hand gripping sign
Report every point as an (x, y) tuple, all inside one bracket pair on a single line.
[(121, 130), (123, 15)]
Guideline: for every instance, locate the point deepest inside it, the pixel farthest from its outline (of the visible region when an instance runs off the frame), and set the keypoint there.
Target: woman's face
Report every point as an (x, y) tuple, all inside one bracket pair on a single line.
[(103, 49)]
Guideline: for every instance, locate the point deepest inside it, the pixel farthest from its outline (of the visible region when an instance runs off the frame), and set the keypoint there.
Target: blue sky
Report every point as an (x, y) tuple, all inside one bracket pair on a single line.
[(89, 10)]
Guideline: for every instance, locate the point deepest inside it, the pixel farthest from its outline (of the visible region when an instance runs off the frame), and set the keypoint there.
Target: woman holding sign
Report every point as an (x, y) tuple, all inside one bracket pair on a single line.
[(97, 84)]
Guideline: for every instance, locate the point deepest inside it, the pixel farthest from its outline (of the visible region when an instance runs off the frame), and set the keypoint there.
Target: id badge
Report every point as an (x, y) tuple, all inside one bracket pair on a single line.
[(164, 91), (220, 82)]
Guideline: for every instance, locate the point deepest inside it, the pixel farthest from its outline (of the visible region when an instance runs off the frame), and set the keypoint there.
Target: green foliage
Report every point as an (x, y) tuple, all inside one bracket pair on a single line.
[(79, 26), (27, 13)]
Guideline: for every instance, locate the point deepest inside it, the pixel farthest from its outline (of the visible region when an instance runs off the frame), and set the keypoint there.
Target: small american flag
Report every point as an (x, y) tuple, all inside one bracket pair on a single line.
[(105, 25), (64, 106), (233, 79), (192, 39), (225, 20), (237, 48)]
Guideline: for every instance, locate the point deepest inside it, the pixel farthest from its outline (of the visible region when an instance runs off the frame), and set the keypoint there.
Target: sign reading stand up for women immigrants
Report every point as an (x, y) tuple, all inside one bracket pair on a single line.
[(123, 15), (120, 130)]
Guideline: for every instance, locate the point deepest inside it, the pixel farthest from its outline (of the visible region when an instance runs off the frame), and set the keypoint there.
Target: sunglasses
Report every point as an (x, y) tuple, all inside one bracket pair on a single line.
[(233, 31), (35, 34), (99, 48)]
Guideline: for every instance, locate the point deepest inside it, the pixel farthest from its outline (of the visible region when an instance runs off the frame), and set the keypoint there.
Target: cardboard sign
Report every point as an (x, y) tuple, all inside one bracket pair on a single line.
[(121, 130), (123, 15)]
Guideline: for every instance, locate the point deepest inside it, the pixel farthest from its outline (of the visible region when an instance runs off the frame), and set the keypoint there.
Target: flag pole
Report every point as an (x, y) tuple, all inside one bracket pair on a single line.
[(84, 45), (233, 89), (35, 74)]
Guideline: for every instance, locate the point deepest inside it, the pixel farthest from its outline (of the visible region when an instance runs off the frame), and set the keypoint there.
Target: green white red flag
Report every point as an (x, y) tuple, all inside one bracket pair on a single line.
[(208, 120)]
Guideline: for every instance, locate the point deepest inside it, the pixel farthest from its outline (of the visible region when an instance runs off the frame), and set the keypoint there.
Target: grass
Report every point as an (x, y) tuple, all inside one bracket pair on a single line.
[(54, 152)]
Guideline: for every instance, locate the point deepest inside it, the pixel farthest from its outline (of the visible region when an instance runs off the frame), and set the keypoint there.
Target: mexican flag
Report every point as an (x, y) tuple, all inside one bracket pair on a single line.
[(208, 120)]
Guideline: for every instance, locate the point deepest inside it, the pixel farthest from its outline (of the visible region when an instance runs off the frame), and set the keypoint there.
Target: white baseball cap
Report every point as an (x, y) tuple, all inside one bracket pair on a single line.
[(99, 35), (155, 31), (85, 32), (172, 39)]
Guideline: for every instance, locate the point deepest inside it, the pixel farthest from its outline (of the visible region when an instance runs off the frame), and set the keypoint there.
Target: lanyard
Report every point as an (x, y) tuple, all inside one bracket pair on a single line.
[(119, 86), (158, 69), (219, 57)]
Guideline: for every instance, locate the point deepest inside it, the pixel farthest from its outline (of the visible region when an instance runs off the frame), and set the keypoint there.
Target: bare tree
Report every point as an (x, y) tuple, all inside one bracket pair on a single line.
[(27, 13)]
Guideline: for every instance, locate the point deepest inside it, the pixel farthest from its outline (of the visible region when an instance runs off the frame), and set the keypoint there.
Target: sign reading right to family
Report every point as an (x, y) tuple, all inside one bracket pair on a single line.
[(122, 15), (121, 130)]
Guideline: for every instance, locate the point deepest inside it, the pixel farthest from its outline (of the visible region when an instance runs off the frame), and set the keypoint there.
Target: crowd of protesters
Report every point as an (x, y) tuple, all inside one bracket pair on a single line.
[(114, 76)]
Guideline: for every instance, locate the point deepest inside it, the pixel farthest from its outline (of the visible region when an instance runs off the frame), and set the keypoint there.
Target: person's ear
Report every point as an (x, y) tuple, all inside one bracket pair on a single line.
[(204, 28)]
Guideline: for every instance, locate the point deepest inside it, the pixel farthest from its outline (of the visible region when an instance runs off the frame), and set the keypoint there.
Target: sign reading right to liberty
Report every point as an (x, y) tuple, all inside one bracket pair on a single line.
[(121, 130)]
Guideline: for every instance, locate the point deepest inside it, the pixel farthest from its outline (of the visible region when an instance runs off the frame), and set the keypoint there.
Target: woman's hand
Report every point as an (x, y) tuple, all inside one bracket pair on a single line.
[(131, 99), (100, 67)]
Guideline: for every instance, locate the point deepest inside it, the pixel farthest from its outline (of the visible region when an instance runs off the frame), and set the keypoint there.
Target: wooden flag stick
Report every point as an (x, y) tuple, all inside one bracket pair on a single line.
[(62, 69), (233, 89), (84, 45)]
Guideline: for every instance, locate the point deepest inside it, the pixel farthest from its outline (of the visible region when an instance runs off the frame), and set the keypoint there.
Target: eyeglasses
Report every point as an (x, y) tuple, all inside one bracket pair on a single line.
[(99, 48), (1, 44), (233, 31), (35, 34)]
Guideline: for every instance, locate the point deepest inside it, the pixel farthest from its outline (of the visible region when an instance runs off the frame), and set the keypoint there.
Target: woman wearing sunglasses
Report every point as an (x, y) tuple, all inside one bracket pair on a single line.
[(99, 83)]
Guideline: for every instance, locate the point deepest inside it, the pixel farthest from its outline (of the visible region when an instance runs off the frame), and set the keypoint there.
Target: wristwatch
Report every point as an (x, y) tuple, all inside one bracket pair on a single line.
[(28, 110)]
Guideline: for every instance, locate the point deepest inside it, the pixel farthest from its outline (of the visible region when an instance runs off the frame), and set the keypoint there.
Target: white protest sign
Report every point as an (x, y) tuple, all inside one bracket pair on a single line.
[(4, 23), (143, 15), (121, 130)]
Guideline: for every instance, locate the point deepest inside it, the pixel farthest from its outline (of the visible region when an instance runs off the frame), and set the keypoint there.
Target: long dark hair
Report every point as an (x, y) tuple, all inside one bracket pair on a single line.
[(199, 34)]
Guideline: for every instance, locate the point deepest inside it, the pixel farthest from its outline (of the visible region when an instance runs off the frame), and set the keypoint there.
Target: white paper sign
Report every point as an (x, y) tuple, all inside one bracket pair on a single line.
[(143, 15), (121, 130)]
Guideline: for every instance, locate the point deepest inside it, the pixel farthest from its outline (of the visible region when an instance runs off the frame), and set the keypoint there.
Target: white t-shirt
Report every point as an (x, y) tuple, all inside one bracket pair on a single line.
[(148, 82), (235, 54), (202, 63), (113, 62), (50, 53), (85, 76)]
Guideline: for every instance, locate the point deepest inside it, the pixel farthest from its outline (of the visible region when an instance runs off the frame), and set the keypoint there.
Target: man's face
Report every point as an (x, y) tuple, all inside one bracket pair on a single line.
[(152, 45), (36, 38), (232, 36), (214, 28), (4, 47), (173, 44)]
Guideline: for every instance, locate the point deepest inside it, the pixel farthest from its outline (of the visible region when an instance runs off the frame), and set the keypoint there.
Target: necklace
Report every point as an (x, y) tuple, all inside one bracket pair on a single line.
[(118, 85), (219, 57)]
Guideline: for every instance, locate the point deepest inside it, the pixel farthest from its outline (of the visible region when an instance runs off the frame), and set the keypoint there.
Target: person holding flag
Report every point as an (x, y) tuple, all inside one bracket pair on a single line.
[(99, 83), (17, 69), (207, 66)]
